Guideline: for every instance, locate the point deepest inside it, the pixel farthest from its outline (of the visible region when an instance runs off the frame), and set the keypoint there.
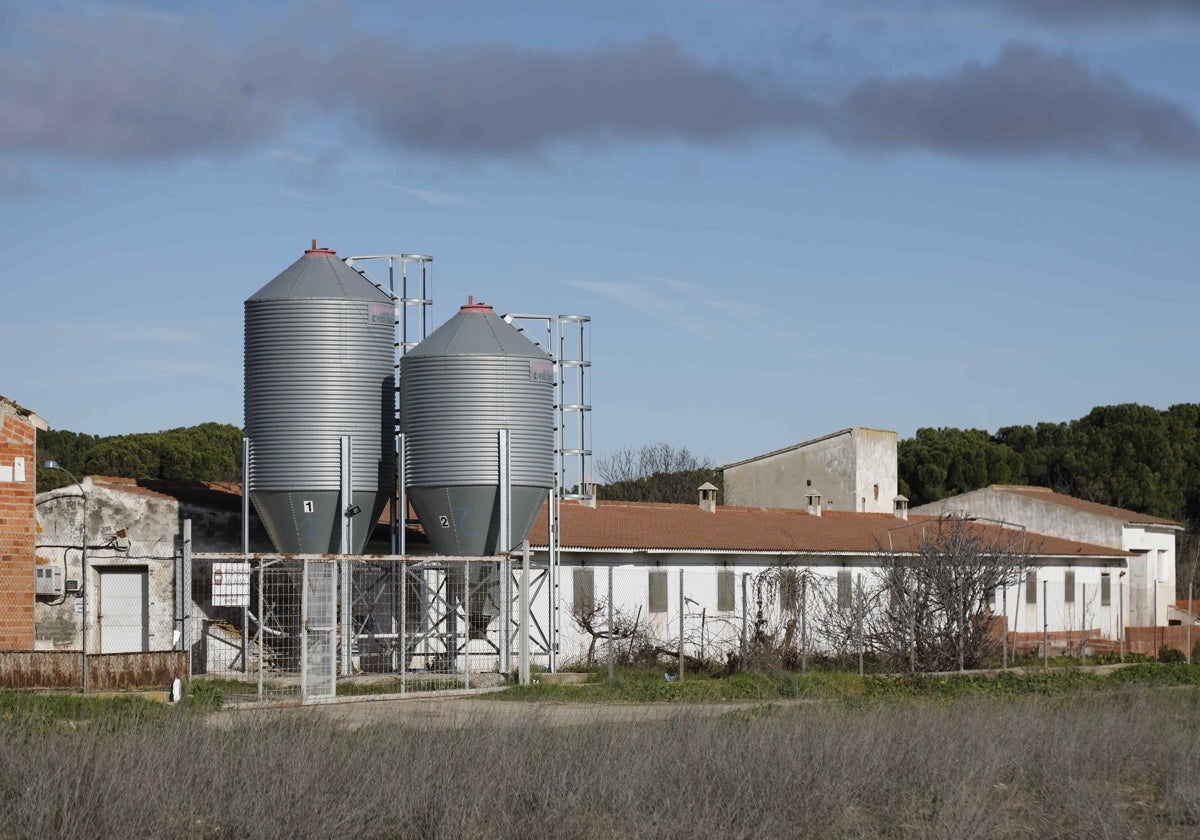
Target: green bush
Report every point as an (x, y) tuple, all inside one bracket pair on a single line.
[(1170, 655)]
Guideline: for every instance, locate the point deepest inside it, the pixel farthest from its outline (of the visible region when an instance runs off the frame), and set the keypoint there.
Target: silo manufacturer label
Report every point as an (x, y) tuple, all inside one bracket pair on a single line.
[(383, 313), (541, 370)]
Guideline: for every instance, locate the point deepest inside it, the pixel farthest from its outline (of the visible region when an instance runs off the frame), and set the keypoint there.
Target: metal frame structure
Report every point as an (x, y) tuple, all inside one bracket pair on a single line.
[(410, 286), (567, 338), (408, 280)]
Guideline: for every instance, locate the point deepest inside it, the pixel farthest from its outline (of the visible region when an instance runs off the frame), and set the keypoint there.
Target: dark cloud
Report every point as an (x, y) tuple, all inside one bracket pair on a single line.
[(1096, 11), (127, 88), (499, 100), (1026, 102), (139, 87)]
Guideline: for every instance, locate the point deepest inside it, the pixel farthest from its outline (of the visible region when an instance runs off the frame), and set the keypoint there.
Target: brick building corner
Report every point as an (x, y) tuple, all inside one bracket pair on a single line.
[(18, 526)]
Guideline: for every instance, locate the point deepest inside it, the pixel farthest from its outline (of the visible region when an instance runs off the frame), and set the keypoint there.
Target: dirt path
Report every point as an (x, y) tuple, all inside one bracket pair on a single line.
[(459, 712)]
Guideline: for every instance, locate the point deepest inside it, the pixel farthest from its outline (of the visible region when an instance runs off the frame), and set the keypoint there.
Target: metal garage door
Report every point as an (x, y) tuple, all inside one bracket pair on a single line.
[(124, 615)]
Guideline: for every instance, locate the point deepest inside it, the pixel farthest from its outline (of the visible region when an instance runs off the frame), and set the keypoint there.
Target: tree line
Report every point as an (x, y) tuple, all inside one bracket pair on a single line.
[(1131, 456), (207, 452)]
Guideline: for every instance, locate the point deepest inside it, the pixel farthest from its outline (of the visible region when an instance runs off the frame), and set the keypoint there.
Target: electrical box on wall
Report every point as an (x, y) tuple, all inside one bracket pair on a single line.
[(48, 580)]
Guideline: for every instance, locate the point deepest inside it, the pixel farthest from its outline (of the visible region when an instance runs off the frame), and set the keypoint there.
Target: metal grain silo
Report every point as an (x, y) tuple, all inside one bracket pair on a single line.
[(472, 377), (319, 367)]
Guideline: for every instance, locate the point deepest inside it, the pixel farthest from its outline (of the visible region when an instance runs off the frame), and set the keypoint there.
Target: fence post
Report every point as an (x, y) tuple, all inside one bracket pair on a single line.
[(246, 450), (523, 627), (402, 636), (1004, 615), (1121, 614), (505, 614), (1082, 620), (745, 610), (681, 624), (1045, 624), (185, 598), (304, 630), (859, 599), (610, 623), (262, 584), (1189, 624), (466, 599), (803, 625)]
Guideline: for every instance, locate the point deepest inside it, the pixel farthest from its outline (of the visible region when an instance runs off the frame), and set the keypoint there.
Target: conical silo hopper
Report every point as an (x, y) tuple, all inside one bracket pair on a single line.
[(319, 366), (472, 377)]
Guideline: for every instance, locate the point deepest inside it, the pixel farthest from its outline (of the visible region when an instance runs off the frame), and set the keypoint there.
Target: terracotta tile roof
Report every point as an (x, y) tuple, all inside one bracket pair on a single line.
[(216, 495), (659, 527), (1045, 494)]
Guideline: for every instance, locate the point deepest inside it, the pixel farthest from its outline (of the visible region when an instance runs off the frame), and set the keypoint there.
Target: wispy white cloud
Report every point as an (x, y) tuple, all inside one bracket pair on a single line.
[(743, 311), (437, 199), (645, 298), (689, 306)]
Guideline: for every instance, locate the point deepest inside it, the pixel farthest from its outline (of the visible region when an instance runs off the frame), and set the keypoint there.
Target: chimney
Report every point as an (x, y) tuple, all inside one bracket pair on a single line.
[(900, 504), (814, 503), (587, 490), (708, 497)]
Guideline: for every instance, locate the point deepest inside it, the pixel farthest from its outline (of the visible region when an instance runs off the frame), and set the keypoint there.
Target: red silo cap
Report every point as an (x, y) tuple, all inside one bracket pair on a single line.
[(314, 251), (472, 306)]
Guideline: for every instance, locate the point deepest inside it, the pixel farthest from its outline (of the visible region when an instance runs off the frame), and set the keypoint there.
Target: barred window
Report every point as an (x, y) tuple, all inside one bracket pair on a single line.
[(725, 591), (844, 597), (658, 592), (584, 591), (1031, 587)]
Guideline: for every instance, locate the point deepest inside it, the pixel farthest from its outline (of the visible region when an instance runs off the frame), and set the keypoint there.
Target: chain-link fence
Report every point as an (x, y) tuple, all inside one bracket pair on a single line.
[(322, 626), (846, 617)]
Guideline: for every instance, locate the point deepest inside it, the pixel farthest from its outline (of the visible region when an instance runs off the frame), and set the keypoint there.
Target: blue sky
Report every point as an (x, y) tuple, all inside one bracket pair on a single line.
[(783, 218)]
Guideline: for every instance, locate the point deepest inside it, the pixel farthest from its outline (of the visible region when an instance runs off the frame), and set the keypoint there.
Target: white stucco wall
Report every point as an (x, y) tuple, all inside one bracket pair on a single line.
[(1150, 584), (722, 629)]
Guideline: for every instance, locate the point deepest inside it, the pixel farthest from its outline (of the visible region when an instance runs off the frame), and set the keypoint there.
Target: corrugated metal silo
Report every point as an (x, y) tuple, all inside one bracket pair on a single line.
[(319, 366), (472, 377)]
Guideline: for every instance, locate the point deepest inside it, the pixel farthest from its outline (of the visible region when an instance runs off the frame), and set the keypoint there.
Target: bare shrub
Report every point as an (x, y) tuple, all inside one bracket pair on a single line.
[(1116, 764), (936, 600)]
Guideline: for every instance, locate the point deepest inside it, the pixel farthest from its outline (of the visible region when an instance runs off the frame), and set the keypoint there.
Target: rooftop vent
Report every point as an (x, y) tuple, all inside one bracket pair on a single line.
[(814, 503), (901, 507), (587, 489), (708, 497)]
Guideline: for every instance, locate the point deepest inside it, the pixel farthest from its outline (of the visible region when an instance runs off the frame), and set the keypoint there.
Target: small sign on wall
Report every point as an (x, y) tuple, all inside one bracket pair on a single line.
[(231, 584)]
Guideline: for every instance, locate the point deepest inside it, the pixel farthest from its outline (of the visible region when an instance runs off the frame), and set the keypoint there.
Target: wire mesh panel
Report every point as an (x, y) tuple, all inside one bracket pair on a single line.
[(320, 628), (24, 580)]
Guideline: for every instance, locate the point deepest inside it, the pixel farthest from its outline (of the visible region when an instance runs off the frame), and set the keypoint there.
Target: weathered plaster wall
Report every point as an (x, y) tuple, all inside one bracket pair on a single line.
[(845, 467)]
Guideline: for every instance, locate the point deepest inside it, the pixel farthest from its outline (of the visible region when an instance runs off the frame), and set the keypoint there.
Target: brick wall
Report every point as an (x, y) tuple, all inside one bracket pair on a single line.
[(17, 527)]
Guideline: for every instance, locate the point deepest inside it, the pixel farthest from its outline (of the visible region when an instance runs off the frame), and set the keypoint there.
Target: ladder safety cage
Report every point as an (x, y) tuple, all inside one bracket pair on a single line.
[(567, 339), (409, 284)]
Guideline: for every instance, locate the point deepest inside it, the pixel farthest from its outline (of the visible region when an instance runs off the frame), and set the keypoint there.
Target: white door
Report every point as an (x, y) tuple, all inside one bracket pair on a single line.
[(123, 615)]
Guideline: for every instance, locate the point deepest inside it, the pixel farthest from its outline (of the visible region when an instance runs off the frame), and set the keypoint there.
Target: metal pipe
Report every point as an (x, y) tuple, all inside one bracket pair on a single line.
[(345, 544), (610, 623), (246, 447), (681, 624), (523, 627), (1045, 624)]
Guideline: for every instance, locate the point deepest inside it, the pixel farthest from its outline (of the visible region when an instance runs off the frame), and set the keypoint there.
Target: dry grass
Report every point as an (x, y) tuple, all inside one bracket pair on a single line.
[(1120, 763)]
